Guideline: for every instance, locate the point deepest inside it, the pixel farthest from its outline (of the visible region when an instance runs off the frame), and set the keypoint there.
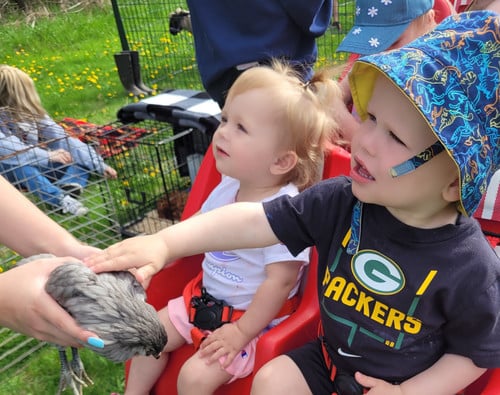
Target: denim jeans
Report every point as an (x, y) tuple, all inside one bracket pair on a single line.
[(45, 181)]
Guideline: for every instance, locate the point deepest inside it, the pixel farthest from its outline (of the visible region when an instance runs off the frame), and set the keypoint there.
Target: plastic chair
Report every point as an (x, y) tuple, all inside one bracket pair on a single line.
[(442, 9), (460, 5)]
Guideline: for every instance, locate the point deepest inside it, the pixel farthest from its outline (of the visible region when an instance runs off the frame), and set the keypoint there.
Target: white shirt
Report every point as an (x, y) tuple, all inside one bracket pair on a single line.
[(234, 276)]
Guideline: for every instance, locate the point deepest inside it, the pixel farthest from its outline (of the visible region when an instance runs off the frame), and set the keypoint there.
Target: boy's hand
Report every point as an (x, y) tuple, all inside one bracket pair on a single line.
[(145, 254), (377, 386), (226, 341)]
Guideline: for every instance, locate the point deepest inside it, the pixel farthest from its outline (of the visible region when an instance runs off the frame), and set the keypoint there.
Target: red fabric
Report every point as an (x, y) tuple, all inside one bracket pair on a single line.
[(460, 5), (109, 139)]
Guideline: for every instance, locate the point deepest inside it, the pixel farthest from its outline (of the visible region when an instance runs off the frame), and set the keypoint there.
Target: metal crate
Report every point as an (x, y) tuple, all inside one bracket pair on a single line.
[(155, 172), (157, 147)]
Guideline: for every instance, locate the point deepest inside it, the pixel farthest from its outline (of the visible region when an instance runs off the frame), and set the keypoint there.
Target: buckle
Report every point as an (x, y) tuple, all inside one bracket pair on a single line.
[(209, 313)]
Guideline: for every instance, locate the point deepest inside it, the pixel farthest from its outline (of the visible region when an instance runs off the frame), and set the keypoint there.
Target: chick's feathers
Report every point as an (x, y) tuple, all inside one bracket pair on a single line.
[(112, 305)]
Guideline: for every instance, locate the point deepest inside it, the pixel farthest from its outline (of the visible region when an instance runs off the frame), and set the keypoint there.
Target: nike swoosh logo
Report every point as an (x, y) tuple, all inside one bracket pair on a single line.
[(345, 354)]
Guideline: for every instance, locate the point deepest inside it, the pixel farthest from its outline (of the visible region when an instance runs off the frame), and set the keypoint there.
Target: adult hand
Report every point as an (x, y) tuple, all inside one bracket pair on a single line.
[(145, 254), (109, 172), (60, 156), (26, 308)]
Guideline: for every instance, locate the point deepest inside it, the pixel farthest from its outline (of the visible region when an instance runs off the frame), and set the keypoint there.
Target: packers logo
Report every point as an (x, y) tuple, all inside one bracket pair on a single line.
[(377, 273)]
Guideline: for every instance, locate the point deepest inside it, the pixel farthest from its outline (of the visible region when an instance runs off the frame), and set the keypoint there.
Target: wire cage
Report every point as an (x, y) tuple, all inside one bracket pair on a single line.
[(156, 163), (152, 57), (165, 60)]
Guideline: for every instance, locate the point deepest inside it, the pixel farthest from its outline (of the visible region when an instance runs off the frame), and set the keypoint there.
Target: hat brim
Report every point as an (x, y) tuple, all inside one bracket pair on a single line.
[(368, 40)]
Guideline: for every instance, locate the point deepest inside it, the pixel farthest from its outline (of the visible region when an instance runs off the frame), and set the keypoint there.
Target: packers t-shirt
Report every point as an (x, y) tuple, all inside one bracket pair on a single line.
[(406, 296)]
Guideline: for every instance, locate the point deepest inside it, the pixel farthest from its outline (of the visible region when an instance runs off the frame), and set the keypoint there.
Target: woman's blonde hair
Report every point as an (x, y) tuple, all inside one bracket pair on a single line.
[(18, 92), (306, 117)]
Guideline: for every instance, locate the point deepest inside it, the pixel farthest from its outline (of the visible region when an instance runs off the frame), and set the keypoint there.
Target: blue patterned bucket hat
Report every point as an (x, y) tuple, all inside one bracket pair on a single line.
[(379, 23), (452, 75)]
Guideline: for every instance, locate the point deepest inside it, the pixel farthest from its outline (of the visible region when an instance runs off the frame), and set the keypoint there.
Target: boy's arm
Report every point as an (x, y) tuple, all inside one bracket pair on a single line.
[(450, 374), (229, 340), (238, 225)]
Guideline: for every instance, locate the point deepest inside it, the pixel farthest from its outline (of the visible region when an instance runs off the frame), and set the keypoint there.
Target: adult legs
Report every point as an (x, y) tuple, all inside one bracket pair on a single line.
[(335, 16), (68, 174), (33, 179)]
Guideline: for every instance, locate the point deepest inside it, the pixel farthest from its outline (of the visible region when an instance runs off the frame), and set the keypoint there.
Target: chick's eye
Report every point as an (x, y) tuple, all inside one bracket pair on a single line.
[(223, 119)]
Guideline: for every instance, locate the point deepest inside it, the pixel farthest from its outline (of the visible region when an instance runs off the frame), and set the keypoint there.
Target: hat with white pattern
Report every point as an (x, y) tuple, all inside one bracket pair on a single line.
[(379, 23)]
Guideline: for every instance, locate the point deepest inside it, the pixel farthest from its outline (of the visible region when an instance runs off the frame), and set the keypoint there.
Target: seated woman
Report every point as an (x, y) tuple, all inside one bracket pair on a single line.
[(36, 153)]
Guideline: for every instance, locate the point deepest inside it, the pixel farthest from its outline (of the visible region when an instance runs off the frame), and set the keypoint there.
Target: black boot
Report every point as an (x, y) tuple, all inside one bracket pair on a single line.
[(337, 25), (126, 73)]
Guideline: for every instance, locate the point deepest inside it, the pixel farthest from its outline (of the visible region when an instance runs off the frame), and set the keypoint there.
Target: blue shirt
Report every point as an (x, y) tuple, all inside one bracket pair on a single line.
[(232, 32)]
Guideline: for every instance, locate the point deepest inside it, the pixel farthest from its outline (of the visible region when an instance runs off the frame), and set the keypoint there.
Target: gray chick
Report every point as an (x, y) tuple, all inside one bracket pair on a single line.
[(112, 305)]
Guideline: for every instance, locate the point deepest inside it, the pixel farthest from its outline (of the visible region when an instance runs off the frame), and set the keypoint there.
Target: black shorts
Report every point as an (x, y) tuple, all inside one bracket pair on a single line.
[(310, 361)]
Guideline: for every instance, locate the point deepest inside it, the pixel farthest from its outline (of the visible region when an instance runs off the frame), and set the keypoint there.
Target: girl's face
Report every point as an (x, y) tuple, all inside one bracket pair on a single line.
[(394, 132), (249, 138)]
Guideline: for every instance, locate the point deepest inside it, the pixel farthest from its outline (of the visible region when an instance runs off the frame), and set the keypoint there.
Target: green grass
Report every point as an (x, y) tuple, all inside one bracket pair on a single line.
[(40, 375), (70, 57)]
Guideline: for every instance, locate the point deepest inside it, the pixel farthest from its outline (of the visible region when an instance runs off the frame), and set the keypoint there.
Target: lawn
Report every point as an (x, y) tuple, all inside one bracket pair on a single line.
[(70, 58), (41, 375)]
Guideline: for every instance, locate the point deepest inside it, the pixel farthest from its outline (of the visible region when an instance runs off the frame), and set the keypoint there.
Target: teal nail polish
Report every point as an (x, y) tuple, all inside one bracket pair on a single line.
[(95, 342)]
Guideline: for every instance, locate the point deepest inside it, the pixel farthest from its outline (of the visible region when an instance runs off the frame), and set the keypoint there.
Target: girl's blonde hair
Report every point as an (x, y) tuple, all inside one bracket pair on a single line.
[(18, 92), (306, 115)]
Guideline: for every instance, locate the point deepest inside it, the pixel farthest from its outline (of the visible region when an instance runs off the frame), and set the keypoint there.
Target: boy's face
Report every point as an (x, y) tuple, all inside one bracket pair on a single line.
[(394, 132), (249, 137)]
